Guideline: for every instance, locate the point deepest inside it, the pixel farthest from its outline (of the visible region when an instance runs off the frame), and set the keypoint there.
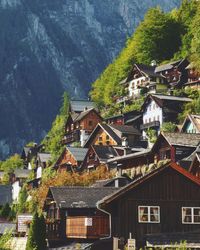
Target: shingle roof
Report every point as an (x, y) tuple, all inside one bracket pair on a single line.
[(105, 152), (80, 105), (149, 70), (7, 226), (44, 157), (72, 197), (167, 66), (78, 153), (22, 173), (171, 98), (125, 129), (83, 114), (182, 139), (5, 194)]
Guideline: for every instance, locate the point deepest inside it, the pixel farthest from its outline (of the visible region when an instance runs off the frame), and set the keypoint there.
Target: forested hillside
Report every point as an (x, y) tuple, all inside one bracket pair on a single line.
[(160, 36)]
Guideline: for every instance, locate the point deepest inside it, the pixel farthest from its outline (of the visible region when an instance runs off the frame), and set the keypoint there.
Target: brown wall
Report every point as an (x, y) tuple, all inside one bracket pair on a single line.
[(104, 140), (67, 157), (169, 190)]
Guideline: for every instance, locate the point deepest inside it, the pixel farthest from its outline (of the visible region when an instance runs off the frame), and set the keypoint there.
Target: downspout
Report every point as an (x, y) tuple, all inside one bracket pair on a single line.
[(110, 223)]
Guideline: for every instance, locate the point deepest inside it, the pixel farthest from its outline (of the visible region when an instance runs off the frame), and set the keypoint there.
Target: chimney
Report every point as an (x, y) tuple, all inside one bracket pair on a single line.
[(85, 109), (153, 63)]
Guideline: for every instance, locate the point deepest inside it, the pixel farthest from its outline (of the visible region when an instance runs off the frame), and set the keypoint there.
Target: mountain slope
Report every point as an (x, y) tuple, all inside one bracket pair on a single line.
[(48, 46)]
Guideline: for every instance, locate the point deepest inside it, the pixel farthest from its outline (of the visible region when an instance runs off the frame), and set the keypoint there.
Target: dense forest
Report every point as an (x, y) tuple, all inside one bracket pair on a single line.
[(160, 37)]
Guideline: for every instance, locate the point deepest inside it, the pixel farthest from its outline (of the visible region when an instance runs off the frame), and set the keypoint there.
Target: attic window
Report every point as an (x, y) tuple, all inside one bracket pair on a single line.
[(90, 123), (191, 215), (149, 214), (100, 138)]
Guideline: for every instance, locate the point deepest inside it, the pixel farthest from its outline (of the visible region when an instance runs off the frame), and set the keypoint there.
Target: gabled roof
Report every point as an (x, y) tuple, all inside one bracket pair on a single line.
[(83, 114), (80, 105), (182, 139), (163, 100), (194, 119), (79, 197), (44, 157), (5, 194), (125, 129), (168, 66), (78, 153), (147, 176), (7, 227), (104, 152), (22, 173), (105, 128)]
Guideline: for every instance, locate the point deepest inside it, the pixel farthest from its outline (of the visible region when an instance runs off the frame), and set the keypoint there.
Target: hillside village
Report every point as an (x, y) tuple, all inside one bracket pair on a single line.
[(143, 165)]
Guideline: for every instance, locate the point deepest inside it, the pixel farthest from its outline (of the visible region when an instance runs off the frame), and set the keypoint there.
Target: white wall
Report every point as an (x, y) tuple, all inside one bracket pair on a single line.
[(133, 89), (39, 172), (15, 190)]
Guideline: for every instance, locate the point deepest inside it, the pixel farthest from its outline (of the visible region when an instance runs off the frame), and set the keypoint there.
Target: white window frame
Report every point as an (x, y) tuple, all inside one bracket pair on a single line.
[(192, 215), (149, 218)]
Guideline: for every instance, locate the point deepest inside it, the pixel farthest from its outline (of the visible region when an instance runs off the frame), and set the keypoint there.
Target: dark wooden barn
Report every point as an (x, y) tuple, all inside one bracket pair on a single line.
[(72, 213), (165, 202)]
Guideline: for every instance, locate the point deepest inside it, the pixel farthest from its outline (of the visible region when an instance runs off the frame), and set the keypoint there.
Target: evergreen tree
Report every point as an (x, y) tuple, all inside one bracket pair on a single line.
[(37, 234), (33, 234), (23, 195), (52, 141)]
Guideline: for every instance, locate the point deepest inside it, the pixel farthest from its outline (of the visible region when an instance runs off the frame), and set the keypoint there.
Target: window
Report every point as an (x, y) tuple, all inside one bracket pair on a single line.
[(191, 215), (100, 138), (107, 137), (149, 214)]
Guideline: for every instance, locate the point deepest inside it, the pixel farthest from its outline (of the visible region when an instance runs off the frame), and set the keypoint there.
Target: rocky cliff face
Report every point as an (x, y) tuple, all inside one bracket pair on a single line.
[(47, 46)]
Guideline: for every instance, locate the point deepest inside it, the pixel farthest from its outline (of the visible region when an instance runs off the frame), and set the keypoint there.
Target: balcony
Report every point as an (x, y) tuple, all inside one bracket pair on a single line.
[(154, 124), (71, 137)]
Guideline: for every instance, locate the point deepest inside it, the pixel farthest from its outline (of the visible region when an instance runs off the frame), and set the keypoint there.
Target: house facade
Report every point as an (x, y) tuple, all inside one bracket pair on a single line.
[(72, 213), (158, 109), (163, 204), (191, 124), (193, 77), (80, 125)]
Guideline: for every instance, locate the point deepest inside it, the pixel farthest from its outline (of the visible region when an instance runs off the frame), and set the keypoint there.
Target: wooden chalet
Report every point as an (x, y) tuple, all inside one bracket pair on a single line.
[(193, 77), (72, 213), (42, 160), (28, 153), (131, 118), (158, 109), (113, 135), (97, 155), (71, 159), (80, 125), (160, 209), (195, 164), (175, 146), (19, 177), (191, 124), (175, 73)]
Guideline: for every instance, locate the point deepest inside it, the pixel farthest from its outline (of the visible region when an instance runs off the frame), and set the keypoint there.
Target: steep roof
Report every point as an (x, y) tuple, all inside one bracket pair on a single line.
[(83, 114), (44, 157), (5, 194), (80, 105), (167, 66), (22, 173), (125, 129), (78, 153), (107, 129), (147, 176), (171, 98), (148, 70), (194, 119), (104, 152), (182, 139), (81, 197)]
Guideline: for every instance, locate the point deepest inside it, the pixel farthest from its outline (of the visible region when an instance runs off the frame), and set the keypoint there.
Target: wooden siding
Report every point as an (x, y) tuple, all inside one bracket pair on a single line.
[(67, 158), (102, 138), (76, 227), (169, 190)]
